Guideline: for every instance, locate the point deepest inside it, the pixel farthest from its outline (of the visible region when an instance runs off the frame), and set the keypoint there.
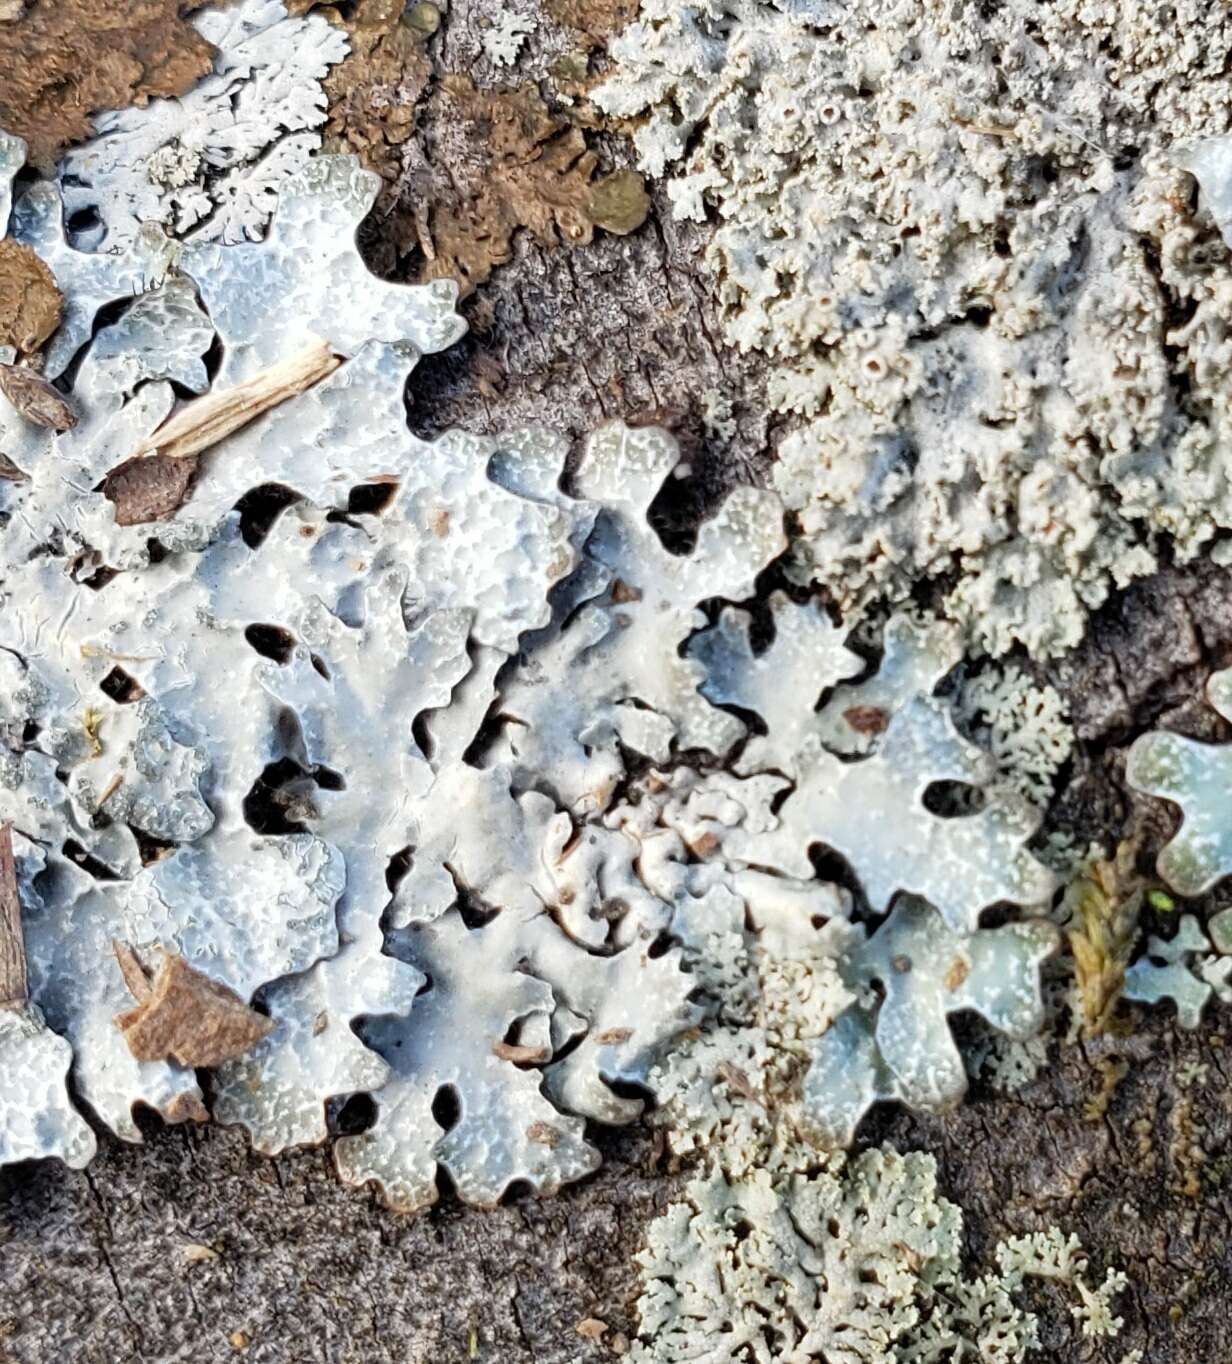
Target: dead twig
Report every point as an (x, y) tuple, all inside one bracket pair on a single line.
[(208, 420), (14, 986)]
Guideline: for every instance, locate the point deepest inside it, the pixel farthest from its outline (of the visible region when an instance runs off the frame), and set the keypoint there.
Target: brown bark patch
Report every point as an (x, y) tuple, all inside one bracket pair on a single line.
[(375, 90), (63, 60), (595, 20), (501, 161)]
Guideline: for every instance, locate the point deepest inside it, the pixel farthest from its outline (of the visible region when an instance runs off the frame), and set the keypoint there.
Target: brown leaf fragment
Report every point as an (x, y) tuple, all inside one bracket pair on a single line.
[(206, 421), (613, 1037), (738, 1082), (37, 400), (867, 719), (704, 844), (959, 970), (186, 1108), (148, 489), (188, 1018), (591, 1328), (30, 303), (14, 987), (62, 60), (521, 1056)]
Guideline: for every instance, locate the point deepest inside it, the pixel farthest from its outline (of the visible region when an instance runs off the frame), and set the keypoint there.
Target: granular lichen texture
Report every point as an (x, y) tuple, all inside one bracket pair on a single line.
[(966, 240)]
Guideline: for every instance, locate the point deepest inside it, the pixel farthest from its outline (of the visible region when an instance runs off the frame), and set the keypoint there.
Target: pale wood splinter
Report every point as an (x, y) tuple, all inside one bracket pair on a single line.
[(210, 419), (14, 986)]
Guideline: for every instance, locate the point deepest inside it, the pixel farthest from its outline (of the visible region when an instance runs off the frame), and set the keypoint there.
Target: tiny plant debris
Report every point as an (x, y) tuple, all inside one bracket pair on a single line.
[(1105, 901), (183, 1015)]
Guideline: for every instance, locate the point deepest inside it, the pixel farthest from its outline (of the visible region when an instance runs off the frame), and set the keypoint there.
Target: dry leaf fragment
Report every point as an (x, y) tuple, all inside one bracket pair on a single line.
[(30, 303), (14, 989), (185, 1016), (591, 1328), (521, 1056), (37, 400), (738, 1082), (544, 1134), (196, 1254), (205, 422), (959, 970), (149, 488)]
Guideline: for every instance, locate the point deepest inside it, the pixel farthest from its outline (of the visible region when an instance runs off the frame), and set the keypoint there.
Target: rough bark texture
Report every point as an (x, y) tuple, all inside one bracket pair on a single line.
[(106, 1266), (192, 1248)]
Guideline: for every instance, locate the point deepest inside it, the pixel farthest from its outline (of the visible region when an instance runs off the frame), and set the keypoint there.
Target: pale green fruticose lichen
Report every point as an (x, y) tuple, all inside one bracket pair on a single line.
[(1022, 724), (859, 1262), (962, 235)]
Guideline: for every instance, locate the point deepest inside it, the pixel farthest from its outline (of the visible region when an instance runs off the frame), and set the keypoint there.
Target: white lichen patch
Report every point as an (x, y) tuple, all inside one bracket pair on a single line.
[(36, 1119), (618, 633), (966, 240), (1197, 777), (872, 810), (212, 743), (504, 40), (900, 1047), (1164, 972), (211, 163), (358, 727)]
